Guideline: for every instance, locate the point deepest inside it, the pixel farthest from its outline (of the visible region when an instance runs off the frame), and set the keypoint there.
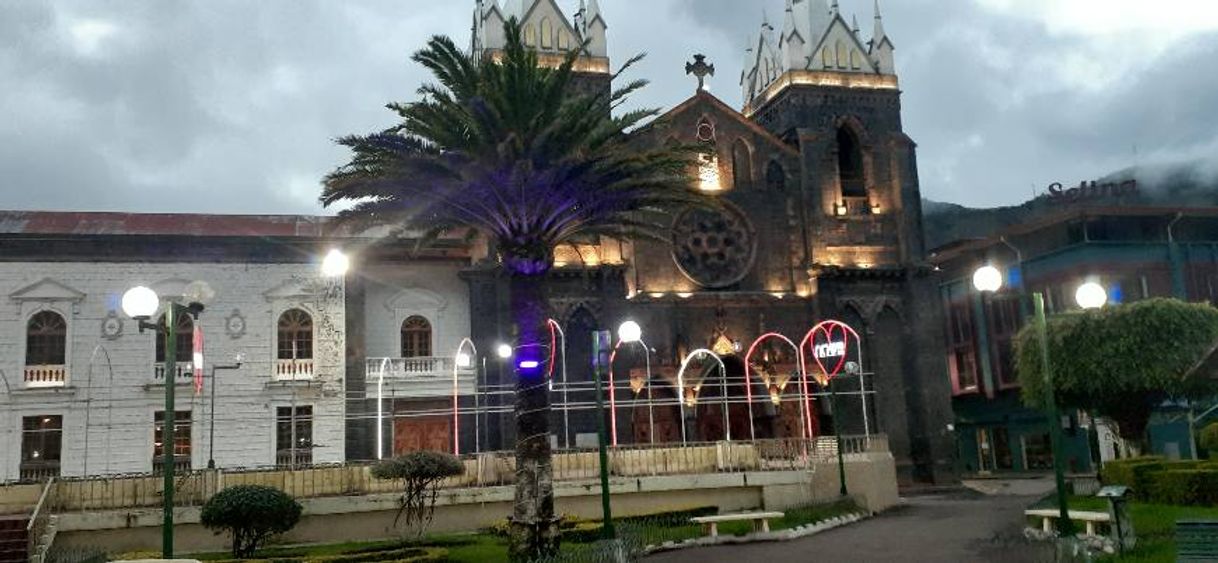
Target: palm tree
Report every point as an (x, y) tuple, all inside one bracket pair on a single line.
[(507, 149)]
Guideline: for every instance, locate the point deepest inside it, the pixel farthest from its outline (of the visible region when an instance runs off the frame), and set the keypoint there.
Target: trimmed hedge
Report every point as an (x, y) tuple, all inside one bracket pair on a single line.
[(1185, 487), (1156, 480)]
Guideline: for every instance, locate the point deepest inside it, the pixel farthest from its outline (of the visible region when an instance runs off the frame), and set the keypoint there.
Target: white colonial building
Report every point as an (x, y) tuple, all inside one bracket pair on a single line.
[(82, 388)]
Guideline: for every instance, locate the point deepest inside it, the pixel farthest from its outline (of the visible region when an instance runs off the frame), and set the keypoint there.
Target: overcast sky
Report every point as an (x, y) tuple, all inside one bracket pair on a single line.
[(231, 106)]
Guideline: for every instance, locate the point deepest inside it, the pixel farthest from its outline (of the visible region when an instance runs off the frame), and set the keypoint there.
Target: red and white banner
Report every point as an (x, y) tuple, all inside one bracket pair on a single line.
[(197, 346)]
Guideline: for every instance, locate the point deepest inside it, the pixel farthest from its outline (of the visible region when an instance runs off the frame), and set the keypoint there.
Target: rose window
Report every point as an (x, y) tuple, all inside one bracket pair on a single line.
[(714, 248)]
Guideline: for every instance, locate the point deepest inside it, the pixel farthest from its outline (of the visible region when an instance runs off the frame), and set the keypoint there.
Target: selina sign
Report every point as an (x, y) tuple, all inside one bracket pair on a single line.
[(1087, 191)]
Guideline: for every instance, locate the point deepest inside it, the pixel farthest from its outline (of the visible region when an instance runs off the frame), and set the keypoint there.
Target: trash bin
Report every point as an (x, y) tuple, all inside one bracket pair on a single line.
[(1118, 509)]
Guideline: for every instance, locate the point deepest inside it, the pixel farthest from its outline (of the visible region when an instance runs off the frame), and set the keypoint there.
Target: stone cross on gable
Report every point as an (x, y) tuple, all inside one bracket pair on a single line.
[(700, 69)]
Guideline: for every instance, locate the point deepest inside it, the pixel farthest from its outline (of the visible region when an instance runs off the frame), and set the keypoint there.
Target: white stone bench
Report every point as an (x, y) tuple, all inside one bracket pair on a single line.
[(760, 520), (1049, 515)]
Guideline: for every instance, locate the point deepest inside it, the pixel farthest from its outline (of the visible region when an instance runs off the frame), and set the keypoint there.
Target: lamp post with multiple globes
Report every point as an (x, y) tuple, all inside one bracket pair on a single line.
[(1090, 295), (141, 303)]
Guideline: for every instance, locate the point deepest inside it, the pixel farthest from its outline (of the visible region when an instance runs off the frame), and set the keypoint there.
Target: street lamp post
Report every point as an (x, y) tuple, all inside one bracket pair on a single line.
[(211, 425), (600, 358), (631, 333), (141, 303)]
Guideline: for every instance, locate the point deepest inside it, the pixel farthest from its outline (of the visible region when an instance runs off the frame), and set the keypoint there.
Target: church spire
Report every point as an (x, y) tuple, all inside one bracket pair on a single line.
[(834, 8), (788, 23), (878, 35), (855, 28), (594, 11)]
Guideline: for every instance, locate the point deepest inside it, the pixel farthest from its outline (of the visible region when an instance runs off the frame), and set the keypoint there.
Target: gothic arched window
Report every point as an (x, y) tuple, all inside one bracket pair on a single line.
[(775, 177), (841, 55), (46, 339), (850, 164), (530, 36), (854, 59), (183, 345), (564, 40), (826, 58), (295, 335), (547, 34), (416, 337), (742, 166)]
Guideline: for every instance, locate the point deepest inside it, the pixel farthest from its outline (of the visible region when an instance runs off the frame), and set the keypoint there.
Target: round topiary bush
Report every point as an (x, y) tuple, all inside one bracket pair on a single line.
[(252, 514)]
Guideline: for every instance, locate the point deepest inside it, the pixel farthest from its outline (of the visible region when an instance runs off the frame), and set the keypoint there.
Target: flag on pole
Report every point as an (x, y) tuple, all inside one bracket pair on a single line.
[(197, 345)]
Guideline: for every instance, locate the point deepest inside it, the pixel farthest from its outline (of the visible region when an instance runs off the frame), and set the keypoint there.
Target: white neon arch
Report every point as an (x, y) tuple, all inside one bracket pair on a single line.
[(727, 427), (457, 389)]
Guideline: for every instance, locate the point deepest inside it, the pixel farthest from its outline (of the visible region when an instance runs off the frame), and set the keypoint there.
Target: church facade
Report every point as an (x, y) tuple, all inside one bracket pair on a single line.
[(822, 221)]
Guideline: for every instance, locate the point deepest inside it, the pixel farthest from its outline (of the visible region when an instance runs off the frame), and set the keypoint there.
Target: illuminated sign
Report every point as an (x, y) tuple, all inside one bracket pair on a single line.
[(1089, 191), (830, 350)]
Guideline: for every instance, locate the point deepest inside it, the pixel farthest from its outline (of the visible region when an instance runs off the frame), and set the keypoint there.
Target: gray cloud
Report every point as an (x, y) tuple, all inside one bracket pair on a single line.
[(228, 106)]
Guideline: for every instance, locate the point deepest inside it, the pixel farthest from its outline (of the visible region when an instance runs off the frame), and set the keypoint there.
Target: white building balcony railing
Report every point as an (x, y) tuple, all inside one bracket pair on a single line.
[(413, 368), (292, 370), (183, 372), (417, 377), (46, 376)]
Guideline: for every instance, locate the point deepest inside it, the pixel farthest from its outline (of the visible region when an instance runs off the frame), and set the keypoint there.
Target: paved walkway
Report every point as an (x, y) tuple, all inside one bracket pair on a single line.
[(963, 526)]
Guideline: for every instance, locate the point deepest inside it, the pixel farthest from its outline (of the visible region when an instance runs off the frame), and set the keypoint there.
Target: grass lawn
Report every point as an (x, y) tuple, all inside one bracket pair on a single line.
[(488, 547), (1154, 524)]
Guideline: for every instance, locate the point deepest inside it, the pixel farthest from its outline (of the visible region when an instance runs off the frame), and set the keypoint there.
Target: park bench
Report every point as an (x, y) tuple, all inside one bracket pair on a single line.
[(1090, 519), (1196, 540), (760, 520)]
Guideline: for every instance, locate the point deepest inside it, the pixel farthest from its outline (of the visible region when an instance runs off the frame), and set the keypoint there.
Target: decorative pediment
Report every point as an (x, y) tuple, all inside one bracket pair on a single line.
[(416, 299), (292, 289), (172, 289), (47, 289)]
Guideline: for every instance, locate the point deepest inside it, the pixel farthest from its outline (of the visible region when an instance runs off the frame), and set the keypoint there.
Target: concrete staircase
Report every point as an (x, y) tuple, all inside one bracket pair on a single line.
[(14, 542)]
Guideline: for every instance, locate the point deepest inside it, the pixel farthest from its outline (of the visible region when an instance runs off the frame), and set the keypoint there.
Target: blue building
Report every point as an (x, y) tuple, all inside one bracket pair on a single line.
[(1134, 252)]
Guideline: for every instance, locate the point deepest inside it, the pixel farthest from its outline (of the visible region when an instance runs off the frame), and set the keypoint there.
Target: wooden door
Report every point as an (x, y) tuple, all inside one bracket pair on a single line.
[(414, 434)]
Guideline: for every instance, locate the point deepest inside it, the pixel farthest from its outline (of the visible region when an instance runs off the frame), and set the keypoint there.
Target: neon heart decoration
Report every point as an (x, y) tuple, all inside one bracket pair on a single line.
[(829, 333)]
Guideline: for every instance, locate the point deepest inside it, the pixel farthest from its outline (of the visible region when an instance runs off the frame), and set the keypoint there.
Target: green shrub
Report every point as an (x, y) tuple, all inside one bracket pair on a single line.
[(1196, 487), (252, 514), (1133, 473), (420, 474), (1209, 440)]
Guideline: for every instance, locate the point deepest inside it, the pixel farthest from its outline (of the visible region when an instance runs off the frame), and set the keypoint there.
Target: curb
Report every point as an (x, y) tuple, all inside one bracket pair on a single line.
[(781, 535)]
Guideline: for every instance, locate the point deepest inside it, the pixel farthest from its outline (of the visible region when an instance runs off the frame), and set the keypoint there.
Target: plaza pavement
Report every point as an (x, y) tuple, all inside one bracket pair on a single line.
[(962, 525)]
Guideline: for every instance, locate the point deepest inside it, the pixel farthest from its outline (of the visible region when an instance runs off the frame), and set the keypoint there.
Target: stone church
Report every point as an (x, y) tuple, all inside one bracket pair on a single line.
[(822, 221)]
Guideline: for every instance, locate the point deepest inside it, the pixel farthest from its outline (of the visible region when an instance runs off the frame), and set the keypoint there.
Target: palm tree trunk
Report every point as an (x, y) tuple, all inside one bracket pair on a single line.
[(534, 530)]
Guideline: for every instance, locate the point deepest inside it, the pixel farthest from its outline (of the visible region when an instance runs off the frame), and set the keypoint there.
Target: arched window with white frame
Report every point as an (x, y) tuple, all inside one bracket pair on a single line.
[(294, 346), (416, 337)]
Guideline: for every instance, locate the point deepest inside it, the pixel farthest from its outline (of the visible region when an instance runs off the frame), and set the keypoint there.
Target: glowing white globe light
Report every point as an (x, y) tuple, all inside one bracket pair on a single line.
[(504, 351), (335, 264), (140, 302), (987, 279), (630, 331), (1091, 295), (464, 360)]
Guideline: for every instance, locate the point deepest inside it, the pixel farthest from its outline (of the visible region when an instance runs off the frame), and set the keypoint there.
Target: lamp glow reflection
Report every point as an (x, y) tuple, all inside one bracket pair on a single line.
[(987, 279), (140, 302), (1091, 295), (335, 264)]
